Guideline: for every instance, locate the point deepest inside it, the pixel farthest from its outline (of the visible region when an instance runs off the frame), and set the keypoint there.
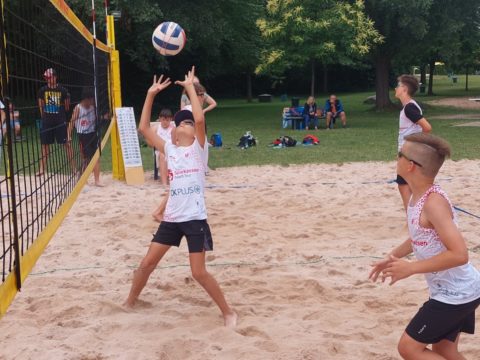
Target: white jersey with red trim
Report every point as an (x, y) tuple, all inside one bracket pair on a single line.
[(458, 285), (186, 172)]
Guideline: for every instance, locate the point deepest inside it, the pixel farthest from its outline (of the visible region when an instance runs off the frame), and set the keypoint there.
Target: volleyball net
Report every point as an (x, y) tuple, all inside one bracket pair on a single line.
[(56, 111)]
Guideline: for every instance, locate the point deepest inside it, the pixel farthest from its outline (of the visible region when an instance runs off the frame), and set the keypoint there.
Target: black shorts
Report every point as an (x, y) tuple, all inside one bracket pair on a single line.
[(51, 132), (197, 232), (400, 180), (437, 321), (88, 144)]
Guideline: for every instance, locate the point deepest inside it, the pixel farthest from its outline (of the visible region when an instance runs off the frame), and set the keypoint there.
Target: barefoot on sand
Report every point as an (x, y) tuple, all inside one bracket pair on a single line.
[(230, 320)]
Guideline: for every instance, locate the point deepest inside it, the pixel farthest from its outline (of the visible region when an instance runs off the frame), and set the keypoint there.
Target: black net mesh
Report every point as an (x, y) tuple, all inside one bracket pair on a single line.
[(35, 178)]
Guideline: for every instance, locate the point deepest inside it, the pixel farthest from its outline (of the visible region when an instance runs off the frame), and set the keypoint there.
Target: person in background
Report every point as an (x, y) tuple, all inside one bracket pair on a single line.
[(53, 103), (333, 110), (310, 113), (14, 122)]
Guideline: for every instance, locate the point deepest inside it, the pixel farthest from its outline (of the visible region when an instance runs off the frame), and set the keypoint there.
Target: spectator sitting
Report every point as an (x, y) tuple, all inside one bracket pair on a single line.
[(334, 109), (310, 113), (14, 122)]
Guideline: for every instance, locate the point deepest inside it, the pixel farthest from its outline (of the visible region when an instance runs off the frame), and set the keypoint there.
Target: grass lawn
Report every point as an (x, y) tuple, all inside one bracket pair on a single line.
[(370, 136)]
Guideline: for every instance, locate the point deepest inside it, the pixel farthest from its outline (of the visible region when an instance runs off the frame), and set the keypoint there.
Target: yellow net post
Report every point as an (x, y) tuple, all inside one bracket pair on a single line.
[(118, 170)]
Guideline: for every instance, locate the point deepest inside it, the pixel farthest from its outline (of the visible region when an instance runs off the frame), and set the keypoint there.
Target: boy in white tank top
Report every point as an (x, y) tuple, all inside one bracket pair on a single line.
[(411, 121), (185, 213), (441, 255)]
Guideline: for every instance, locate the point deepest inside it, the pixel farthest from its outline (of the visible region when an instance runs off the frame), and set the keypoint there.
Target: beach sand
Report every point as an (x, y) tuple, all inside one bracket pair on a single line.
[(292, 248)]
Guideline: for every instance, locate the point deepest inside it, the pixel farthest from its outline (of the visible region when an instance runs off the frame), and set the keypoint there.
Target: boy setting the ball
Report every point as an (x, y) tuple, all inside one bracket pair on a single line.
[(185, 213)]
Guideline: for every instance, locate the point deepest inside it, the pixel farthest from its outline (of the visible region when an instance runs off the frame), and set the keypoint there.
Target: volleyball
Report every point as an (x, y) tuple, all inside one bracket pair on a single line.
[(169, 38)]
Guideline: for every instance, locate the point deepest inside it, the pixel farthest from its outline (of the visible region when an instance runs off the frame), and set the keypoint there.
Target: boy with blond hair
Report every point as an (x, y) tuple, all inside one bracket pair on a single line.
[(441, 255)]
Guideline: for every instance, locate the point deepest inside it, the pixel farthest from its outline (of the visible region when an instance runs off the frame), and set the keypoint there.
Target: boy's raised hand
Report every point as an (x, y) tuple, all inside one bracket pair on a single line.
[(188, 78), (158, 85)]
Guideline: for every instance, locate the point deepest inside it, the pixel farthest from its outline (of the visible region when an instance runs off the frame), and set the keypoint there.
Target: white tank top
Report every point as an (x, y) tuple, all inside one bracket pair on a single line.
[(165, 134), (458, 285), (186, 172), (85, 123), (406, 126)]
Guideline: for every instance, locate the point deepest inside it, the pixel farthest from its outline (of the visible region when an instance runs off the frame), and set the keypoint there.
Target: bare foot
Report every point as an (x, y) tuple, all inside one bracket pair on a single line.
[(40, 173), (127, 305), (97, 184), (230, 320)]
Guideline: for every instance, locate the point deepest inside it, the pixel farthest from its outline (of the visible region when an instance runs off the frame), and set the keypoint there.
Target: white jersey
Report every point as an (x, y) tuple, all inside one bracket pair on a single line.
[(407, 126), (186, 172), (85, 123), (458, 285), (165, 134)]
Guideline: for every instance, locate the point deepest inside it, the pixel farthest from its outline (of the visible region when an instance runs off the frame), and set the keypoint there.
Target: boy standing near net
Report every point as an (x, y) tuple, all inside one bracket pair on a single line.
[(185, 213), (411, 121), (84, 120), (442, 255)]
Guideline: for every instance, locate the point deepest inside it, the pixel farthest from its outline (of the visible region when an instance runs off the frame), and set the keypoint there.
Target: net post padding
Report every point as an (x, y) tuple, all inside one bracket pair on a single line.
[(118, 169), (8, 289)]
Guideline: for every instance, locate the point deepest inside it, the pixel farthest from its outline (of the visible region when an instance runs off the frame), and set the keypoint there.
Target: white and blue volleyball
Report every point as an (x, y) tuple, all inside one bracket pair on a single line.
[(169, 38)]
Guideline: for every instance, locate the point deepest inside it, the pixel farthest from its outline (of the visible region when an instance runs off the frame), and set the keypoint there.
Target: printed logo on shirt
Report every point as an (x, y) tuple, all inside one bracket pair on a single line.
[(195, 189), (170, 175), (52, 102)]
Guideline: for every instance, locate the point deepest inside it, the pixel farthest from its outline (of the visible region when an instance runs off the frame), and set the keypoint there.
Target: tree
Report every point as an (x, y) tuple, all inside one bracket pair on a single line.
[(300, 32), (402, 23), (222, 37)]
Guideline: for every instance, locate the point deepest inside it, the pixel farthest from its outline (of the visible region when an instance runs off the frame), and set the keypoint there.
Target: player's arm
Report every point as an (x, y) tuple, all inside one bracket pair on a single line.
[(425, 125), (438, 213), (197, 111), (400, 251), (71, 124), (144, 127), (414, 114), (212, 104), (41, 105), (67, 102)]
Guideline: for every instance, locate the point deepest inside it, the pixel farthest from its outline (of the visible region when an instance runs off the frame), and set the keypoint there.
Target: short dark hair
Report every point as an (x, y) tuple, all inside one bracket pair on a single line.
[(410, 82), (166, 113), (88, 93)]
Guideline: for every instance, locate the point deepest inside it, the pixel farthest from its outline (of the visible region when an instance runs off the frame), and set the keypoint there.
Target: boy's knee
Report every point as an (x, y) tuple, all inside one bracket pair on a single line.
[(406, 349), (200, 275), (147, 265)]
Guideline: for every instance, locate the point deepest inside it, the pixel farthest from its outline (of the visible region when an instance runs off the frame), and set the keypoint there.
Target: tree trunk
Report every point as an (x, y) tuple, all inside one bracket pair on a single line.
[(249, 87), (325, 78), (312, 81), (466, 78), (430, 79), (423, 75), (382, 68)]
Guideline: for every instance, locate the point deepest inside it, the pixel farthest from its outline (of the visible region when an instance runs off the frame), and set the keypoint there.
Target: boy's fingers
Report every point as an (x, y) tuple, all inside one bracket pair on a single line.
[(154, 79), (160, 79)]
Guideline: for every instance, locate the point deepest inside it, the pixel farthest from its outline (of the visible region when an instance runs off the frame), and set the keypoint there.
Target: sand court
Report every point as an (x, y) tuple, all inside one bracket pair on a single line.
[(292, 248)]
